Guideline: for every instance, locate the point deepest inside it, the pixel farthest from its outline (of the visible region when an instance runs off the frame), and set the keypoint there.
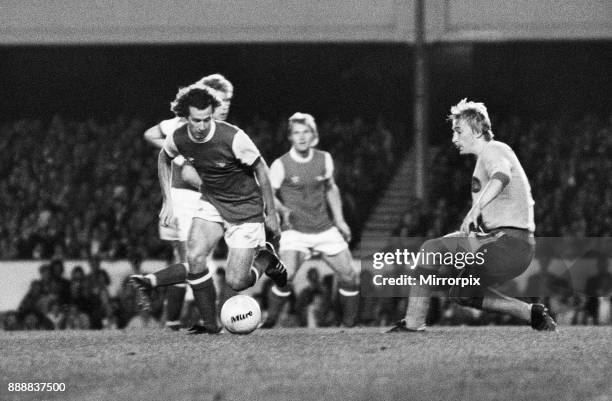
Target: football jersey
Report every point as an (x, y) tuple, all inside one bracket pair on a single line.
[(301, 185), (166, 128), (224, 160), (513, 207)]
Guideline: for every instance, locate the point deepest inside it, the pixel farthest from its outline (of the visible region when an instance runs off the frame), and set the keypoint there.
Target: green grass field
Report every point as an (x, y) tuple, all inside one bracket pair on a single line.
[(479, 363)]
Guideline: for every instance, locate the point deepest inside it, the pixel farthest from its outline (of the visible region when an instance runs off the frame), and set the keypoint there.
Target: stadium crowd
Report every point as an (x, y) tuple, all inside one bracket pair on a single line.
[(88, 190), (75, 189)]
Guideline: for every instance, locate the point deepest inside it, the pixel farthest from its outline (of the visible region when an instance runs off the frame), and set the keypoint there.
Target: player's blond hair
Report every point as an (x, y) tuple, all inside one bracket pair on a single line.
[(309, 121), (216, 82), (475, 114)]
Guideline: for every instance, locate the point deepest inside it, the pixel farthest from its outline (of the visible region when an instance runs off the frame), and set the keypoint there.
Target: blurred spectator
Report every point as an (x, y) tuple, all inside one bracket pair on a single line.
[(76, 319)]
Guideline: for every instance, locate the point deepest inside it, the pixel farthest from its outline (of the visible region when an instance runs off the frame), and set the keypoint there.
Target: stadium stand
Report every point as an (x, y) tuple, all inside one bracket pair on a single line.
[(105, 201)]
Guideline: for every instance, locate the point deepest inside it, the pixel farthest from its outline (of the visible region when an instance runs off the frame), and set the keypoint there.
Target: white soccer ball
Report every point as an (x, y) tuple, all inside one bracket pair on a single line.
[(240, 314)]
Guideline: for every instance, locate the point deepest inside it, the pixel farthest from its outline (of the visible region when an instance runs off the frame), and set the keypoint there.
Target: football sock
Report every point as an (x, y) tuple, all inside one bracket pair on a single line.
[(495, 301), (276, 300), (418, 307), (349, 302), (175, 298), (173, 274), (255, 274), (204, 295)]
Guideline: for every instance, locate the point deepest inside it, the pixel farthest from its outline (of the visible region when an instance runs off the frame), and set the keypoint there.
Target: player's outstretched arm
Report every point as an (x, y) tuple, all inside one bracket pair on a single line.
[(262, 175), (335, 205), (154, 136)]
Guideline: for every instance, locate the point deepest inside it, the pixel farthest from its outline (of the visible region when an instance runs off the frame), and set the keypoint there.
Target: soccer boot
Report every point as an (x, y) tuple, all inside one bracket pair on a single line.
[(143, 291), (541, 320), (203, 329), (276, 269), (173, 327), (400, 327)]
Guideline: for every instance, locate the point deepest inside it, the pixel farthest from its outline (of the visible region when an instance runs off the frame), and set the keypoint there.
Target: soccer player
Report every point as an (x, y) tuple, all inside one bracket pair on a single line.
[(185, 198), (309, 202), (502, 213), (236, 201)]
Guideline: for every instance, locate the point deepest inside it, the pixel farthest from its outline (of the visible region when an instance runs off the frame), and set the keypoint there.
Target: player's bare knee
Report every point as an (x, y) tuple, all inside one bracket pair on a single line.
[(197, 261), (237, 282)]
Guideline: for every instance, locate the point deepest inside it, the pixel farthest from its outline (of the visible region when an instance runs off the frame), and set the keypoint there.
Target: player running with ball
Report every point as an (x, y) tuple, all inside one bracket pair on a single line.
[(236, 200), (502, 213), (185, 200), (305, 191)]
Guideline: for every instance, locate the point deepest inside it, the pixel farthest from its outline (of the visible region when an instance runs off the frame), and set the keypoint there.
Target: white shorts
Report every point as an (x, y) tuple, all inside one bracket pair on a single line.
[(244, 235), (184, 204), (329, 242)]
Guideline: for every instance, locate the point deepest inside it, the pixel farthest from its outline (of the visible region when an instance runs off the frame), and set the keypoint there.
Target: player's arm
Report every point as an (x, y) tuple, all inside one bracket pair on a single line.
[(154, 136), (262, 175), (499, 169), (164, 169), (245, 150), (334, 201), (335, 206), (277, 175)]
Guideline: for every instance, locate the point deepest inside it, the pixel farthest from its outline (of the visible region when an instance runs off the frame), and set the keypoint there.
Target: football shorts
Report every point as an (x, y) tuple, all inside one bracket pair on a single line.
[(329, 242), (243, 235)]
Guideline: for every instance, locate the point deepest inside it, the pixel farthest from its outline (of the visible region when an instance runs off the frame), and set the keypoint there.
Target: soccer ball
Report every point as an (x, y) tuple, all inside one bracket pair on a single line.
[(240, 314)]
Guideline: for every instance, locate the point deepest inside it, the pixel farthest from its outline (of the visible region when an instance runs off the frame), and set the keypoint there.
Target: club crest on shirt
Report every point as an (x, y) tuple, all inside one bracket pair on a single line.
[(476, 185), (294, 179)]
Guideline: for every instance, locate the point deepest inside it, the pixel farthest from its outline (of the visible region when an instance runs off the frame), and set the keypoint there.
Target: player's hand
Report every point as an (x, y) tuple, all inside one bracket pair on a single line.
[(345, 230), (470, 222), (191, 176), (166, 216), (272, 223)]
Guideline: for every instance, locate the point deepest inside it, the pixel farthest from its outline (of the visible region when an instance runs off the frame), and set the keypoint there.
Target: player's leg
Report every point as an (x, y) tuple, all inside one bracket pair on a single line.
[(203, 238), (176, 273), (239, 273), (348, 285), (420, 295), (505, 258), (175, 295), (185, 203), (278, 296), (250, 256)]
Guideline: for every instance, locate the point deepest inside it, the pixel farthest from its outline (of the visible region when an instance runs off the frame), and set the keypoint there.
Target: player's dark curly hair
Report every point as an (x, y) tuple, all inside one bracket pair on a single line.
[(200, 98)]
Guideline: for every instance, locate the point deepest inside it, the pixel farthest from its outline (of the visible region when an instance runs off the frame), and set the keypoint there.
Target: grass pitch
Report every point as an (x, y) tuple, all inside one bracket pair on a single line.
[(479, 363)]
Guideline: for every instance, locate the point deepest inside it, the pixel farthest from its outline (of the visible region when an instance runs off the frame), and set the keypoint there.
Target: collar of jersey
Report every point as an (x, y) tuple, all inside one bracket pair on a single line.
[(296, 156), (208, 137)]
